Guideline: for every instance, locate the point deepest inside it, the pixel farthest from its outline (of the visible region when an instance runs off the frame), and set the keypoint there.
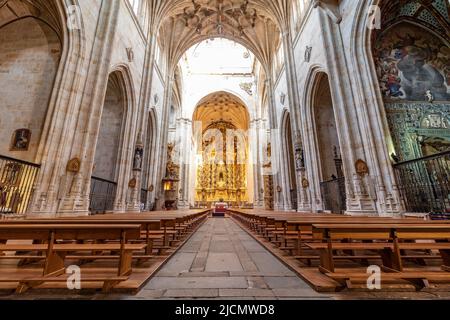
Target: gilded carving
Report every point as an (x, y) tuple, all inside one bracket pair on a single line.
[(74, 165), (361, 167)]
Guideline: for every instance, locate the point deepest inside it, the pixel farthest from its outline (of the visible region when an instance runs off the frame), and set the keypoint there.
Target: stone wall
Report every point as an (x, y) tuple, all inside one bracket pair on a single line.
[(29, 58)]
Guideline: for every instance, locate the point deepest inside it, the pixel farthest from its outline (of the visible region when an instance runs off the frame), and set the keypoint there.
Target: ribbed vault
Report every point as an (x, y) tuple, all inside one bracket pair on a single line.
[(222, 106), (255, 24)]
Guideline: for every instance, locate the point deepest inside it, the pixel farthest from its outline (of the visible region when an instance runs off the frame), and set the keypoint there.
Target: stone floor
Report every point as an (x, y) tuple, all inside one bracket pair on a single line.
[(222, 261)]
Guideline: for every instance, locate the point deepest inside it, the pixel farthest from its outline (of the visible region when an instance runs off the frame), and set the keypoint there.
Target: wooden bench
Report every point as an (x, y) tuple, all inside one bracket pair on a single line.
[(420, 279), (50, 245), (389, 241)]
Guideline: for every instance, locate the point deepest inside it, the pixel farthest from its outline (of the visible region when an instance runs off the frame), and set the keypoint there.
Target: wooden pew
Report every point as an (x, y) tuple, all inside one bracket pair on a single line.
[(52, 239), (389, 241)]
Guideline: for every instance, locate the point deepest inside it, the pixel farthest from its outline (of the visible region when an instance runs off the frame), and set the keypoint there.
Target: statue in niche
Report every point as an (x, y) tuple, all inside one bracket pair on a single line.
[(299, 159), (172, 170), (138, 156), (21, 140), (429, 96)]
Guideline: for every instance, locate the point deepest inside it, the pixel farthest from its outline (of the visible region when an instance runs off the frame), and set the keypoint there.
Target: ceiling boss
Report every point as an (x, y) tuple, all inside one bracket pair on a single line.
[(214, 16)]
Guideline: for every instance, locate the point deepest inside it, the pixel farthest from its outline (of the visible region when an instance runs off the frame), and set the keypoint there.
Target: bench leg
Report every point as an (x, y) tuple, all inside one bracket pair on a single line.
[(419, 284), (126, 259), (149, 248), (109, 285), (445, 254), (326, 260), (390, 259), (54, 264)]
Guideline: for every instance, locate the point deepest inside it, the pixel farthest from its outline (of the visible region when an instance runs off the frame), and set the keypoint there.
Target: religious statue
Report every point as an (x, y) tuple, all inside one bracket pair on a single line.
[(299, 159), (429, 96), (172, 170), (138, 155)]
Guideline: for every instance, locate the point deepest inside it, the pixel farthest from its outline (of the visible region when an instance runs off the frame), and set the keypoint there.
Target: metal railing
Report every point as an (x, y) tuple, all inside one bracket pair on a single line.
[(102, 195), (17, 179), (425, 183), (294, 199), (334, 195), (144, 197)]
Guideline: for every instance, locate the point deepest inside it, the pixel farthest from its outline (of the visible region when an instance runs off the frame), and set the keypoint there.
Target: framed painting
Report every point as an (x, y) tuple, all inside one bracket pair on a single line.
[(21, 140)]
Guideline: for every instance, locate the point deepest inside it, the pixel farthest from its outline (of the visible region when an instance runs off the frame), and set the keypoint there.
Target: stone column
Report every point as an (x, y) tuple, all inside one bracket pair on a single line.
[(134, 200), (280, 198), (303, 199), (185, 130), (359, 201), (161, 154), (371, 110), (76, 201), (257, 147)]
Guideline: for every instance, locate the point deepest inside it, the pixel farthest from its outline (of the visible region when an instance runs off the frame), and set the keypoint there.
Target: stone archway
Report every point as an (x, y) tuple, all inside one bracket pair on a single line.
[(331, 172), (224, 170), (110, 140), (289, 158), (30, 54)]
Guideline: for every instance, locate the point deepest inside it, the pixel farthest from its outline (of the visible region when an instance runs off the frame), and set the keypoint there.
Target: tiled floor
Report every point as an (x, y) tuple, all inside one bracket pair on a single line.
[(222, 261)]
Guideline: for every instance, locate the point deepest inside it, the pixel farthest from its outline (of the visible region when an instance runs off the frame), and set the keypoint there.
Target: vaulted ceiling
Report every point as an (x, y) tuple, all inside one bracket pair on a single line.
[(46, 10), (256, 24), (222, 106), (435, 14)]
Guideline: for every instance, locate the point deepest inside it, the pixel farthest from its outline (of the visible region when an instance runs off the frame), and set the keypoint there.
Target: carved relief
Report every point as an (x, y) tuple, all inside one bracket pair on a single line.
[(361, 167), (247, 87), (308, 54), (74, 165), (21, 140), (132, 183)]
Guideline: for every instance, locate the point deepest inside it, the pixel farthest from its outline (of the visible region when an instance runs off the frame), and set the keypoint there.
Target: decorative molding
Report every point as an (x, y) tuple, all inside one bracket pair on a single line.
[(73, 165), (305, 183), (361, 167), (282, 98), (331, 7), (132, 183), (247, 87), (20, 140), (308, 54), (130, 54)]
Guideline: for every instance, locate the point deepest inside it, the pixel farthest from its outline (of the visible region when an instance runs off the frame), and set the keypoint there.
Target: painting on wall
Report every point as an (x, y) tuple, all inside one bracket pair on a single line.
[(411, 61), (21, 140)]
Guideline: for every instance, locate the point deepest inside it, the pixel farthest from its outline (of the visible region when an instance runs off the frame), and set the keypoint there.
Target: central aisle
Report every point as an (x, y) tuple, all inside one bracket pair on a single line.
[(222, 261)]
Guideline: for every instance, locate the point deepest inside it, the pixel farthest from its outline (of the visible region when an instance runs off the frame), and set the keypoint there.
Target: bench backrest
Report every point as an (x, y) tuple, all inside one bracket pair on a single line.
[(354, 232), (69, 231), (423, 232)]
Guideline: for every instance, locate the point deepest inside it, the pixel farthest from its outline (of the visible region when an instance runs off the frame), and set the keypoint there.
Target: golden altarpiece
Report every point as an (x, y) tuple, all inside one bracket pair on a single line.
[(222, 171)]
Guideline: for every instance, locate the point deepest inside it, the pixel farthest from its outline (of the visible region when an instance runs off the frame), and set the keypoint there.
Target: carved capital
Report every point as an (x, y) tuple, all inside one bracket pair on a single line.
[(331, 7)]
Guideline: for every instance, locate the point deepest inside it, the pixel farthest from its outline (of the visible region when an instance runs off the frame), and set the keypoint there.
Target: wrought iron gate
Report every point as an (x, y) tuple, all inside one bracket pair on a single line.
[(334, 196), (425, 183), (102, 196), (17, 179)]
